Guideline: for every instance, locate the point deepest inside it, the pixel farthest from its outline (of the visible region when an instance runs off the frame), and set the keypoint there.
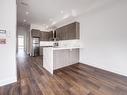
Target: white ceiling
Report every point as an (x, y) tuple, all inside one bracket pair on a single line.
[(49, 12)]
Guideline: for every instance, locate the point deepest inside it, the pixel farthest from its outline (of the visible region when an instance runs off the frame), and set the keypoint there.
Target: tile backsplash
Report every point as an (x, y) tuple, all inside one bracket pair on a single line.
[(62, 44), (69, 43)]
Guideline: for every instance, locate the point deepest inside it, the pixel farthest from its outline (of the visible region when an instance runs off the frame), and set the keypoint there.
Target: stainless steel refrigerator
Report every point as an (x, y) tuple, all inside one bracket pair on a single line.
[(36, 46)]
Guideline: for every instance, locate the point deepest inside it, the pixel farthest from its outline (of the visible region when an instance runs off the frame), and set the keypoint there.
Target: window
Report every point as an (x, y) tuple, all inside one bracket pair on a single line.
[(20, 41)]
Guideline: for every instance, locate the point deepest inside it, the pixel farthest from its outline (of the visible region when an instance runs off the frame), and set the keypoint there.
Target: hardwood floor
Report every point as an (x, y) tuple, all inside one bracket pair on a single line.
[(77, 79)]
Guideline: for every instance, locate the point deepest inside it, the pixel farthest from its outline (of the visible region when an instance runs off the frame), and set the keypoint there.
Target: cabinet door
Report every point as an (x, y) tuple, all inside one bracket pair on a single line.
[(50, 36), (74, 56), (65, 57), (77, 30), (46, 36), (42, 36), (73, 31), (35, 33), (65, 32), (58, 34), (68, 32), (63, 35)]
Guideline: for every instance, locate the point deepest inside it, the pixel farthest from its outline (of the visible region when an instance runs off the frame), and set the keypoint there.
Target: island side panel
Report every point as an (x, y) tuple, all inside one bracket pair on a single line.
[(48, 59), (65, 57)]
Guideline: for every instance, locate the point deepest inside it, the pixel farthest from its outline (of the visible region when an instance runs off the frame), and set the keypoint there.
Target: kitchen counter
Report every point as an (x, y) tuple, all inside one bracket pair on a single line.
[(60, 48), (46, 43), (65, 54), (55, 58)]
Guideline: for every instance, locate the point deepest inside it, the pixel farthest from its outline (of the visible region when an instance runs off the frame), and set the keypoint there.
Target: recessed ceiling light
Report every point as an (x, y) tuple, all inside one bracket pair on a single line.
[(24, 20), (50, 19), (44, 24), (27, 13), (61, 11), (47, 26), (74, 13), (54, 22), (66, 16)]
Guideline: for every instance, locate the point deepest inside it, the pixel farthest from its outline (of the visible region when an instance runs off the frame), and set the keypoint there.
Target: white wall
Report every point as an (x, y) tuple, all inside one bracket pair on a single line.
[(25, 31), (8, 72), (104, 34), (38, 27), (22, 32)]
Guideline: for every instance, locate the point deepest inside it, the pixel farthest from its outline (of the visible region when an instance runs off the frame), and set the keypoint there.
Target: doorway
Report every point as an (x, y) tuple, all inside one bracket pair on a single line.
[(20, 42)]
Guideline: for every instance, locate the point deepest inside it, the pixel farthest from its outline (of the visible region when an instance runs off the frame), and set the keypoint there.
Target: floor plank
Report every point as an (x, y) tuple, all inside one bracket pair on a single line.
[(77, 79)]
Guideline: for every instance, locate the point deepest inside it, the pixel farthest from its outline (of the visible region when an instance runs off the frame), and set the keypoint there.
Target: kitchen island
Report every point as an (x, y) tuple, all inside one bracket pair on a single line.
[(61, 56)]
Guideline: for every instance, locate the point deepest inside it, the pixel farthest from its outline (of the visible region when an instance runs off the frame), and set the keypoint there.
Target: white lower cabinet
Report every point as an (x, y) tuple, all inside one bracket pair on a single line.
[(55, 59), (65, 57)]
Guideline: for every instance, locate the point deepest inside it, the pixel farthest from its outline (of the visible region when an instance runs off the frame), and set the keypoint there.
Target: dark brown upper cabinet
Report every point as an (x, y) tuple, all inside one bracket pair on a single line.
[(46, 36), (35, 33), (68, 32)]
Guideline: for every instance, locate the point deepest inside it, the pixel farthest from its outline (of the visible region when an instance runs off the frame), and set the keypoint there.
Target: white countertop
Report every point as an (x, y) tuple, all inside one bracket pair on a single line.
[(60, 48), (46, 43), (67, 44)]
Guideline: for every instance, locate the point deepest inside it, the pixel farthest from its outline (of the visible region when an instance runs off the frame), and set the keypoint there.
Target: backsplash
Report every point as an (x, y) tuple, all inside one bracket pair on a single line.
[(62, 44), (46, 43), (69, 43)]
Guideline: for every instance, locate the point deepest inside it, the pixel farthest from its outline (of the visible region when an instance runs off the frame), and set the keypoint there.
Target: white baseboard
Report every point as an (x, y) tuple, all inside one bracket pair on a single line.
[(8, 81), (109, 70)]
